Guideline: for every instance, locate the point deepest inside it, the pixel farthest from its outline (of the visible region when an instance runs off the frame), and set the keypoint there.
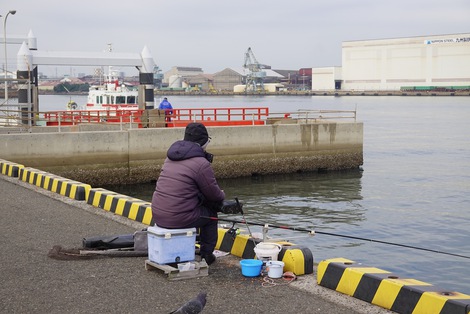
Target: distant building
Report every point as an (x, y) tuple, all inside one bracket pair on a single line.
[(326, 78), (71, 80), (202, 82), (47, 85), (228, 78), (423, 62), (292, 79), (181, 72)]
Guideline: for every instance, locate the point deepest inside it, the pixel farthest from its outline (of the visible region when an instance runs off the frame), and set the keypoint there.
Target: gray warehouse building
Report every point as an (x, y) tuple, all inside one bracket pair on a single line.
[(423, 62)]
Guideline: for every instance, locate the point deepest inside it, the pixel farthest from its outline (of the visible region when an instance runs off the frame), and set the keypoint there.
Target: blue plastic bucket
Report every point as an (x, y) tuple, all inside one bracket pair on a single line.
[(251, 267)]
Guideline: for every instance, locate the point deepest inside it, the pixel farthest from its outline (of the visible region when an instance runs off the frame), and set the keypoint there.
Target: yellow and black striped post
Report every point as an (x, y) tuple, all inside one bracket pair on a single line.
[(385, 289), (66, 187), (10, 169), (297, 259), (122, 205)]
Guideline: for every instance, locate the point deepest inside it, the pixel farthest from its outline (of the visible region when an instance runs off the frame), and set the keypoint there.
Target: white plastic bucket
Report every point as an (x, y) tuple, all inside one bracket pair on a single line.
[(275, 269), (267, 251)]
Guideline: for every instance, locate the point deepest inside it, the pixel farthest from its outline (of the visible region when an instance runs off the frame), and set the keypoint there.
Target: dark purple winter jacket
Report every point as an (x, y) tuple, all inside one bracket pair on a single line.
[(185, 173)]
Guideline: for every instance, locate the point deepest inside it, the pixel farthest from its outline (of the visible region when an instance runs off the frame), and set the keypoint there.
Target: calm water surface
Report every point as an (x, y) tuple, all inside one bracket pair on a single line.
[(414, 188)]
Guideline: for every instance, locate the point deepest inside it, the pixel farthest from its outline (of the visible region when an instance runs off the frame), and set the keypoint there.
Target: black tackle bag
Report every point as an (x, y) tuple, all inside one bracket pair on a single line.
[(109, 242)]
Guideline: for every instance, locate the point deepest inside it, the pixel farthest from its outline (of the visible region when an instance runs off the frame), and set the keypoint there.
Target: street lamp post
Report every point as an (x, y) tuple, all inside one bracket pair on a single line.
[(5, 45)]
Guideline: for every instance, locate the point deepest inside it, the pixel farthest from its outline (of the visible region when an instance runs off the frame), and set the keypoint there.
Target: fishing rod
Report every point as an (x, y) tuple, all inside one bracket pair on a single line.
[(313, 232)]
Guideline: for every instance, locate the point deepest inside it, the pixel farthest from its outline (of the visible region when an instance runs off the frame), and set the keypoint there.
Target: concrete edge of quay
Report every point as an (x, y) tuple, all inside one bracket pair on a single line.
[(136, 155)]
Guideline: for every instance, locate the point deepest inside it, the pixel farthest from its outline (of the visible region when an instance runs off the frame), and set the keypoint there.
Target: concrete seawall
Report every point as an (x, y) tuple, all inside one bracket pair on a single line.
[(136, 155)]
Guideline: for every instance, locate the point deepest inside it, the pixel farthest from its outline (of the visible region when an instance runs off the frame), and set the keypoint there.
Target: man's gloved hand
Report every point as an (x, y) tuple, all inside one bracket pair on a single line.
[(231, 207), (209, 157)]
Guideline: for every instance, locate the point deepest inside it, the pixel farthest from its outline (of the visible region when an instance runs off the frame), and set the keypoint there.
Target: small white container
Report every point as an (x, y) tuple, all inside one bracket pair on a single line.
[(267, 251), (171, 245), (275, 269), (186, 266)]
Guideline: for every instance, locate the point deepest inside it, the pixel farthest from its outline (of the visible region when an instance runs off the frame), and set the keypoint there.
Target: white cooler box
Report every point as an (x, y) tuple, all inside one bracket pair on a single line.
[(171, 245)]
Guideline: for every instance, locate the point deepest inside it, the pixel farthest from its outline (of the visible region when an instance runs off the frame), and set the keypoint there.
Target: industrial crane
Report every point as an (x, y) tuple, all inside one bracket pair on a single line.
[(255, 76)]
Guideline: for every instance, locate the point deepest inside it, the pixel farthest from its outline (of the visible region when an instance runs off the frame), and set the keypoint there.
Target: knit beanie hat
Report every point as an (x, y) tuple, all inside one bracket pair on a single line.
[(196, 132)]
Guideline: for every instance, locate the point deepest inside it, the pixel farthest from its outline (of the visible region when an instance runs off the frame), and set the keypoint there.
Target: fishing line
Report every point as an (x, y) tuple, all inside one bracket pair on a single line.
[(312, 232), (244, 219)]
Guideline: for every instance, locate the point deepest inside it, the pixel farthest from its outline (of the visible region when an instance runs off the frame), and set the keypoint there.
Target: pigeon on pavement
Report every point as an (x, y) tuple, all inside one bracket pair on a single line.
[(193, 306)]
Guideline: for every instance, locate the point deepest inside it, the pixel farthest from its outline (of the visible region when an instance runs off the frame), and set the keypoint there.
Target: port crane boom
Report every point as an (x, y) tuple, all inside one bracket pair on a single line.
[(255, 76)]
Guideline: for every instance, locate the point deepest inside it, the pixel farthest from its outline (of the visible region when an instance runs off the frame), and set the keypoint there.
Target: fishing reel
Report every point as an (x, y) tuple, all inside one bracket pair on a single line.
[(233, 232)]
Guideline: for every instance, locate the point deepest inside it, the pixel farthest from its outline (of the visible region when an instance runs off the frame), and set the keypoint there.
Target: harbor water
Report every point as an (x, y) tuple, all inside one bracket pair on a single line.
[(413, 189)]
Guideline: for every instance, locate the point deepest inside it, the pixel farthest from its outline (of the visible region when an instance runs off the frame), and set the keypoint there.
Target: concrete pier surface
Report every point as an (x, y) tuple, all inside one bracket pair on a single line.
[(34, 220)]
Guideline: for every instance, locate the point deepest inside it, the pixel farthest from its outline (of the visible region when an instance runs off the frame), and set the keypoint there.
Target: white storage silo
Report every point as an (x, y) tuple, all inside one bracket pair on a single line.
[(174, 81)]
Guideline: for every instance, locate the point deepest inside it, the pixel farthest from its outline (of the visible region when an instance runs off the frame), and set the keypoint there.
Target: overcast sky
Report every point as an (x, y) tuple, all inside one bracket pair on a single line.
[(215, 34)]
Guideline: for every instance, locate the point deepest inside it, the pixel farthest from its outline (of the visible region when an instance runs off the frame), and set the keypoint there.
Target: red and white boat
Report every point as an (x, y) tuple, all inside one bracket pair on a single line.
[(111, 95)]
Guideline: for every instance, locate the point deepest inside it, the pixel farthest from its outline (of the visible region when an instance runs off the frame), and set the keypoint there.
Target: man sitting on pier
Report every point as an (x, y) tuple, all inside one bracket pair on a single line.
[(187, 189)]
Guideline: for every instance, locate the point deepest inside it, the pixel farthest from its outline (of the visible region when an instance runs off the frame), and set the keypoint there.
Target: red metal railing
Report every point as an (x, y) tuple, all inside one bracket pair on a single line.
[(218, 116), (91, 116), (178, 118)]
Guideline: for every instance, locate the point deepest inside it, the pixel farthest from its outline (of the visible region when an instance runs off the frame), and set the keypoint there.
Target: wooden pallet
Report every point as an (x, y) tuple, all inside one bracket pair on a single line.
[(201, 270)]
